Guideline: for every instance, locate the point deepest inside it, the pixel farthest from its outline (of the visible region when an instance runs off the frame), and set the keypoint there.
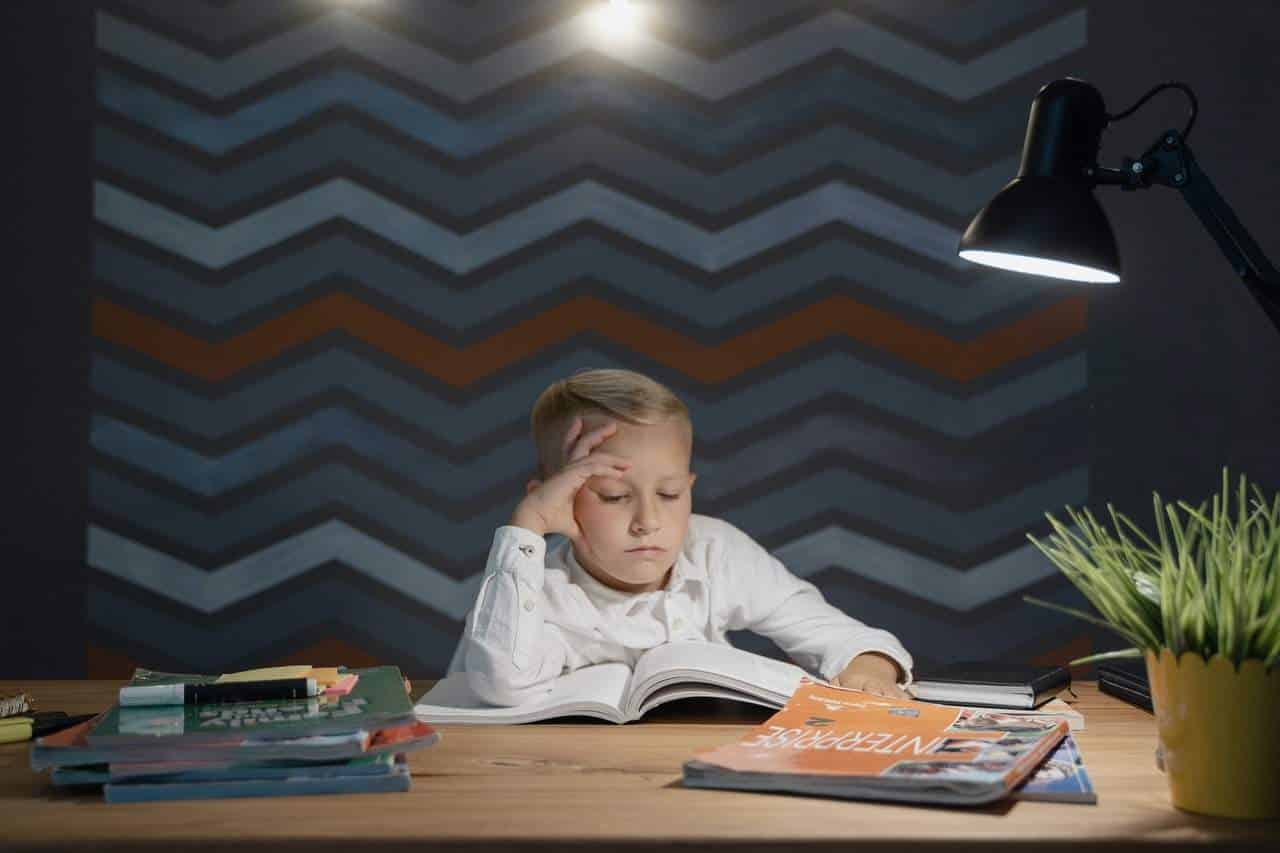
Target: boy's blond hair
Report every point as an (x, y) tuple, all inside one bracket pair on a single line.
[(621, 394)]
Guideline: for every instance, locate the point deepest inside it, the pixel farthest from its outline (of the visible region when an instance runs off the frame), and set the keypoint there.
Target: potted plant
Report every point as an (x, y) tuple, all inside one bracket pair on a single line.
[(1202, 607)]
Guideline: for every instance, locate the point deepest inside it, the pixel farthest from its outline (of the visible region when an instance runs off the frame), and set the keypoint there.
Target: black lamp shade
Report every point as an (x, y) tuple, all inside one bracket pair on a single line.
[(1046, 221), (1044, 226)]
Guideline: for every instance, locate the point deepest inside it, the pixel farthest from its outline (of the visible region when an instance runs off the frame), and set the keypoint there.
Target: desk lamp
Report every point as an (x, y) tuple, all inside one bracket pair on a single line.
[(1046, 221)]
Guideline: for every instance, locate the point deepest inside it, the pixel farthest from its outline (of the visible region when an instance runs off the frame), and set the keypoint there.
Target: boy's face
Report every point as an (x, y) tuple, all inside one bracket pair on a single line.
[(647, 508)]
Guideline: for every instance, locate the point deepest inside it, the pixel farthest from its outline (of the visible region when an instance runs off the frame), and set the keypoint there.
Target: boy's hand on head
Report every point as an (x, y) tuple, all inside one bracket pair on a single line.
[(548, 505), (873, 673)]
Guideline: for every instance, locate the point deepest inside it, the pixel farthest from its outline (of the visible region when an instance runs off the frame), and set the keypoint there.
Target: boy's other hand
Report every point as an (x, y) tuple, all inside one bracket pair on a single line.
[(548, 505), (874, 673)]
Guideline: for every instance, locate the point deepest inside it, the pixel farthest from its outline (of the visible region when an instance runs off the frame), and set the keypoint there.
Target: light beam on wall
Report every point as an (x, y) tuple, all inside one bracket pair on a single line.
[(617, 19)]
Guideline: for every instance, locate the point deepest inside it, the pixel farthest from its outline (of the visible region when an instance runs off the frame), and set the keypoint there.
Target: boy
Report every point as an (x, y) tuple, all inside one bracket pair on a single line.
[(637, 568)]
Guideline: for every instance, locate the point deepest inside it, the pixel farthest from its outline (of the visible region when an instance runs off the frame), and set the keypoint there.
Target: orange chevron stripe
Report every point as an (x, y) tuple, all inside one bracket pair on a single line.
[(104, 662), (835, 316)]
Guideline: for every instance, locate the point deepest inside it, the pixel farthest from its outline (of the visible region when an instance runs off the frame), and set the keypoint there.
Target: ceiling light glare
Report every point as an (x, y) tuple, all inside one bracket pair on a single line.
[(616, 19)]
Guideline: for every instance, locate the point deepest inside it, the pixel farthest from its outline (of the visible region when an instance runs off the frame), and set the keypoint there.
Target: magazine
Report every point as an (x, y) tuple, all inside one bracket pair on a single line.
[(1060, 778), (837, 742), (612, 691)]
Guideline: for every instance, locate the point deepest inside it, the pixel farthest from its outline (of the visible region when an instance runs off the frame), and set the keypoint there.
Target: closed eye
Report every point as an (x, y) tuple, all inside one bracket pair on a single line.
[(613, 499)]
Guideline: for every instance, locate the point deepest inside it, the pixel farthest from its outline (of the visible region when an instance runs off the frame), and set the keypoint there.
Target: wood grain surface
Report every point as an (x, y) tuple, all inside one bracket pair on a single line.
[(552, 786)]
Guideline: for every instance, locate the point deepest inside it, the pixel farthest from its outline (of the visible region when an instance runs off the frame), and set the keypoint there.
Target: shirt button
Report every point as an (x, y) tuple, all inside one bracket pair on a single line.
[(528, 605)]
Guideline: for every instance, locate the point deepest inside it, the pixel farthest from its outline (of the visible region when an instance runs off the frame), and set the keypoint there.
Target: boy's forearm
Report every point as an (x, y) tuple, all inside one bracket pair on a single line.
[(507, 647), (528, 520)]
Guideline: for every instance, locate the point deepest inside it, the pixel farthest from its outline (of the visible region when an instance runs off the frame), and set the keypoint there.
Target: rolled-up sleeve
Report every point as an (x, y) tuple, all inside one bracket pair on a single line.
[(765, 597), (509, 651)]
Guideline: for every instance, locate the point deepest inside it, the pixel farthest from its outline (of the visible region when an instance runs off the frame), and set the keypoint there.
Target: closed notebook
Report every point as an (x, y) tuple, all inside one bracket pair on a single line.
[(991, 685), (1126, 680), (397, 780)]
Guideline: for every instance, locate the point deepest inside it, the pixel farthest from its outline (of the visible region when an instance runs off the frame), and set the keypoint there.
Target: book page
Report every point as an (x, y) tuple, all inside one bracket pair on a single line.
[(711, 664), (596, 691)]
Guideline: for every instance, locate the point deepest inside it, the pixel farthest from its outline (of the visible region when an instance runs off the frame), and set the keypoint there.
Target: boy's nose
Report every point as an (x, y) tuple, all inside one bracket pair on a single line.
[(645, 523)]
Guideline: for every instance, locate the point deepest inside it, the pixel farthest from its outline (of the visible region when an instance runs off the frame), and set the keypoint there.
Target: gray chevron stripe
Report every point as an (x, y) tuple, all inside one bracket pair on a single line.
[(713, 80), (219, 528), (340, 199), (828, 93), (913, 574), (262, 514), (209, 592), (212, 192), (487, 26), (710, 303), (956, 476), (958, 531), (960, 23), (837, 373), (950, 477), (324, 608), (928, 631)]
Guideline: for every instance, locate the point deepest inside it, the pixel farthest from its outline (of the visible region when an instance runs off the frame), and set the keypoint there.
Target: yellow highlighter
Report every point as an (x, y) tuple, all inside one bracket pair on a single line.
[(326, 676), (15, 729), (270, 673)]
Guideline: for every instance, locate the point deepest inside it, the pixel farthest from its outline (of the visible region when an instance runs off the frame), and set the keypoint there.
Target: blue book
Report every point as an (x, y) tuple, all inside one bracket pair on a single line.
[(145, 792), (382, 764)]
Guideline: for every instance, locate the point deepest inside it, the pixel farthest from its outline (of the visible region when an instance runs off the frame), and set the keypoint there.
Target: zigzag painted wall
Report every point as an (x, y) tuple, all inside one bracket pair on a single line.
[(340, 247)]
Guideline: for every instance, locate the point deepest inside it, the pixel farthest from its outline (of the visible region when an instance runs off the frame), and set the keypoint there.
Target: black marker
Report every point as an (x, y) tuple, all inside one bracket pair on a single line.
[(231, 691)]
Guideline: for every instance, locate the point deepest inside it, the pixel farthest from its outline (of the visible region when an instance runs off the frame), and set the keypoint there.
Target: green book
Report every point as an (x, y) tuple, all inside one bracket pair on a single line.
[(378, 700)]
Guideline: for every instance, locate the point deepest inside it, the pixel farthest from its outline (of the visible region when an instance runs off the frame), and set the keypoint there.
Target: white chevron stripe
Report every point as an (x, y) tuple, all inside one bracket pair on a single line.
[(587, 201), (211, 591), (917, 576), (834, 31)]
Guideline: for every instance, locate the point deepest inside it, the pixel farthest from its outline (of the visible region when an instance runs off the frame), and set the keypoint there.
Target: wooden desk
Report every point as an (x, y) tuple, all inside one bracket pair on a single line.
[(550, 786)]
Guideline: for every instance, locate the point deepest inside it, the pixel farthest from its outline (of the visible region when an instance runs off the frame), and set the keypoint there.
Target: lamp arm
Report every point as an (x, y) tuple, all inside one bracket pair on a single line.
[(1169, 162)]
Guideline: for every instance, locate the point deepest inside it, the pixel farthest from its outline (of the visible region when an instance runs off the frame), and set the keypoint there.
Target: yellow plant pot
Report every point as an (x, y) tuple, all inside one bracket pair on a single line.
[(1220, 731)]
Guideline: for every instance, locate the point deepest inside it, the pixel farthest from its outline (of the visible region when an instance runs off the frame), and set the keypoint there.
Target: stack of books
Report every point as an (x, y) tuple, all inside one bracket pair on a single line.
[(1126, 679), (352, 736)]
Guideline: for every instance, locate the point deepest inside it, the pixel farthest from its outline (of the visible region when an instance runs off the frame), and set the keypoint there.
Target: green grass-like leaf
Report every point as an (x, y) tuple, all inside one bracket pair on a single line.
[(1208, 581)]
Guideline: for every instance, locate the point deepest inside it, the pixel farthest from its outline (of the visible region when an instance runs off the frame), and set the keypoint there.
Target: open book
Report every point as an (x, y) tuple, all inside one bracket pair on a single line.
[(612, 691)]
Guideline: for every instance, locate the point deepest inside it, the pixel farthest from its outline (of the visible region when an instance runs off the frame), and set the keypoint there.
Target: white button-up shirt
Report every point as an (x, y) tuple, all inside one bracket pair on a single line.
[(539, 614)]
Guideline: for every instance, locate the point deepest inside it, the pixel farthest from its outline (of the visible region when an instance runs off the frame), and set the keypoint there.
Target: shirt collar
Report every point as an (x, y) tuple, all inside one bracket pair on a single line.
[(683, 572)]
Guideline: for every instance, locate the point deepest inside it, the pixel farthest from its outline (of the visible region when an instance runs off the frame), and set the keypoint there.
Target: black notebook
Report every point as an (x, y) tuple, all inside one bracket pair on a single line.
[(1126, 679), (991, 685)]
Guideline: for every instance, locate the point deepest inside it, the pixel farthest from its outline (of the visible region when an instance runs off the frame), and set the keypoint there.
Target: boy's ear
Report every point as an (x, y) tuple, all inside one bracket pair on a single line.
[(531, 485)]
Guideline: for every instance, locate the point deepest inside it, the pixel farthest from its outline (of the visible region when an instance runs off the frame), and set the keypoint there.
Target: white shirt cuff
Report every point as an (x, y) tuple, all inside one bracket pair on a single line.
[(519, 550)]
